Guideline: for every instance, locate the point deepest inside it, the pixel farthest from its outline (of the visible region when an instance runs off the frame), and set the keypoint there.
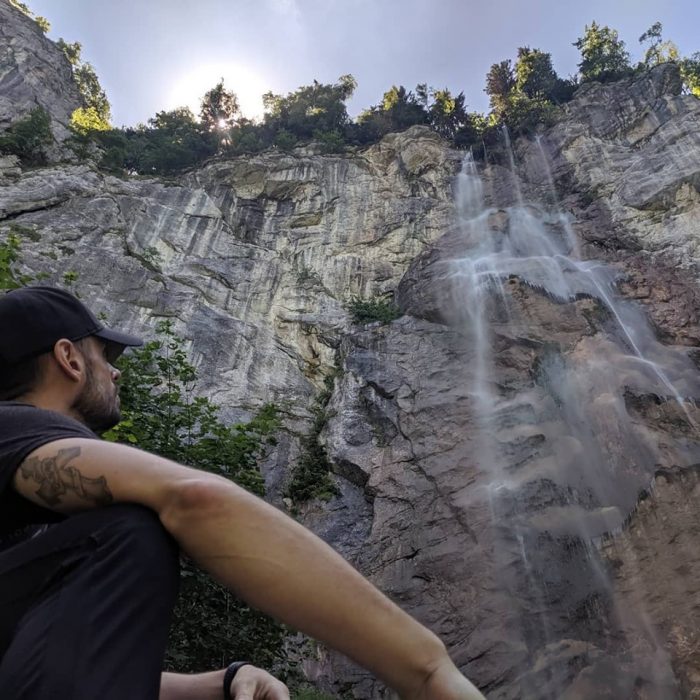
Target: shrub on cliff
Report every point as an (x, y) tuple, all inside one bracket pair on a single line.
[(371, 310), (29, 137)]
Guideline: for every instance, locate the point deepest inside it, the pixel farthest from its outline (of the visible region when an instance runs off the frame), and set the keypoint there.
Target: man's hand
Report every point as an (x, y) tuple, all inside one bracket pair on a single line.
[(446, 683), (252, 683)]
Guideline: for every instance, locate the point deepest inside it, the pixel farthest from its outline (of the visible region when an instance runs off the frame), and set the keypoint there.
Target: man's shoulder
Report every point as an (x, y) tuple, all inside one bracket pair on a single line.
[(18, 415)]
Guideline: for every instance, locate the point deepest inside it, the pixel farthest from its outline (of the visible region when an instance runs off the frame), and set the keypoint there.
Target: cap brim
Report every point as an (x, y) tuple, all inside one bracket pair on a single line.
[(116, 342), (119, 338)]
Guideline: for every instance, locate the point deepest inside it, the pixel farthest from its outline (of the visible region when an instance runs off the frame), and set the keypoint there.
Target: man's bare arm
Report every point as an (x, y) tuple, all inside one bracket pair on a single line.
[(267, 558)]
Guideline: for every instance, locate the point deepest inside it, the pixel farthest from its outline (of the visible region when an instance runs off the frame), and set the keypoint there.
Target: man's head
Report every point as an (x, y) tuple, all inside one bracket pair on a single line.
[(49, 341)]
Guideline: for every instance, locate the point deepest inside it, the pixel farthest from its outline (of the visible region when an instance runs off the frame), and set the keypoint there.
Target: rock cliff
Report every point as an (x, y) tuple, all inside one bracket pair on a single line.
[(33, 73), (528, 491)]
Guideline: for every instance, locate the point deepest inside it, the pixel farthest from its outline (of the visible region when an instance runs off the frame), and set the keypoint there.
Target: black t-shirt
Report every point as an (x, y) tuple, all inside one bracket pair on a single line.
[(24, 428)]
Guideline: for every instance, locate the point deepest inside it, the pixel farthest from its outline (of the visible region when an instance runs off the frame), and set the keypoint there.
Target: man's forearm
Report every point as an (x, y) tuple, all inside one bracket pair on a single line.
[(278, 566)]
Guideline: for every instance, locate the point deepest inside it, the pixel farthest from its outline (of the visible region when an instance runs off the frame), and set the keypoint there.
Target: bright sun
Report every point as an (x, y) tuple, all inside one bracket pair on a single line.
[(188, 88)]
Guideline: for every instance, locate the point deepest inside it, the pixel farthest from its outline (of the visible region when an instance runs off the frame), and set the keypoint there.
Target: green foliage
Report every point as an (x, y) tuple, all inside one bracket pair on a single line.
[(500, 82), (219, 108), (330, 141), (161, 415), (70, 278), (43, 23), (370, 310), (285, 140), (311, 109), (10, 278), (28, 137), (534, 76), (171, 142), (311, 476), (400, 109), (603, 54), (522, 114), (690, 72), (523, 97), (94, 97), (86, 120), (658, 51)]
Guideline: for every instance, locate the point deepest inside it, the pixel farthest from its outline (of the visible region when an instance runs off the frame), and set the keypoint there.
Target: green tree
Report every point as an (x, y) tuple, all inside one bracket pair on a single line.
[(534, 75), (86, 120), (658, 51), (94, 97), (398, 110), (219, 108), (690, 72), (500, 82), (310, 109), (447, 113), (161, 414), (29, 137), (603, 54)]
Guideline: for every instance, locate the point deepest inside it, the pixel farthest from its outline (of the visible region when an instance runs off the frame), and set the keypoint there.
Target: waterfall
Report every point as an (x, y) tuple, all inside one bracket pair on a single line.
[(564, 458)]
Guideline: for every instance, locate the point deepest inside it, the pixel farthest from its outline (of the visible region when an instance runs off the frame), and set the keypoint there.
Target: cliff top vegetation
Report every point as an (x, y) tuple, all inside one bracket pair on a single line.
[(525, 94)]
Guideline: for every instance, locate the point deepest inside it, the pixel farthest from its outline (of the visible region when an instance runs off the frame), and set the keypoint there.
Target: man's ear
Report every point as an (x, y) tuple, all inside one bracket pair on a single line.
[(69, 359)]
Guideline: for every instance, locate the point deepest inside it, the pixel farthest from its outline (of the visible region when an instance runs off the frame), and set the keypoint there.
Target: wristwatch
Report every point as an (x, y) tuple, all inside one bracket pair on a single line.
[(231, 672)]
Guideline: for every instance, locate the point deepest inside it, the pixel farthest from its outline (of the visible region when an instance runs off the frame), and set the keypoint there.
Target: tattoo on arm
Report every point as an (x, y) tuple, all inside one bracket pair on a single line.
[(57, 478)]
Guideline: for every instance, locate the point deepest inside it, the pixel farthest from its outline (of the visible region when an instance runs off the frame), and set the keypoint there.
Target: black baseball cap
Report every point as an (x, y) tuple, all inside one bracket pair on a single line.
[(32, 319)]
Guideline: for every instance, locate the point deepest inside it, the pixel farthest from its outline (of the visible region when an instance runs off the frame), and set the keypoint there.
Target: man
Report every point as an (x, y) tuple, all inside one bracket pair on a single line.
[(92, 531)]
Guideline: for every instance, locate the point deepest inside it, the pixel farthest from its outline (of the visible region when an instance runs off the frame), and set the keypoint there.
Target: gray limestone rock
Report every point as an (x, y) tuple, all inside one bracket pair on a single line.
[(33, 73)]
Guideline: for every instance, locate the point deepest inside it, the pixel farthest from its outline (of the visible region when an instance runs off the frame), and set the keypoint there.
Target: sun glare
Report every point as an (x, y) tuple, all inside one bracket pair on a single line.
[(188, 88)]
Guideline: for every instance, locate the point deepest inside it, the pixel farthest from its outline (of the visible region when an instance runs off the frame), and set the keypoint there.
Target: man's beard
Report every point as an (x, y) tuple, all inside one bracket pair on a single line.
[(97, 411)]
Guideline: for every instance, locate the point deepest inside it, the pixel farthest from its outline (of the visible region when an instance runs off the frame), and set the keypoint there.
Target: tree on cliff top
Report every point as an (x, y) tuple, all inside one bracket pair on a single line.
[(312, 109), (658, 51), (690, 72), (603, 54), (219, 108)]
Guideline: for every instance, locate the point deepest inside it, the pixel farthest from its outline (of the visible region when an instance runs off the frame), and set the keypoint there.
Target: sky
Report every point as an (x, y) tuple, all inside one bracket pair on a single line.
[(154, 55)]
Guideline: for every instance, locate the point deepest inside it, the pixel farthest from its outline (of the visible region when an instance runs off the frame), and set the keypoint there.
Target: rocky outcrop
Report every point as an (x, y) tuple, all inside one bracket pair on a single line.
[(33, 73), (502, 495), (625, 161), (256, 258)]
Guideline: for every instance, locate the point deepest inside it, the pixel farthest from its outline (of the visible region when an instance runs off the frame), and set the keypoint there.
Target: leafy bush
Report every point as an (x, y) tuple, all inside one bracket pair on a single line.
[(9, 257), (28, 137), (690, 72), (161, 415), (369, 310), (311, 476)]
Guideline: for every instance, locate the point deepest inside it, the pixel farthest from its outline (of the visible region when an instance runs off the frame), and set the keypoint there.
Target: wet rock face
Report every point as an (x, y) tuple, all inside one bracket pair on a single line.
[(624, 161), (33, 73)]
